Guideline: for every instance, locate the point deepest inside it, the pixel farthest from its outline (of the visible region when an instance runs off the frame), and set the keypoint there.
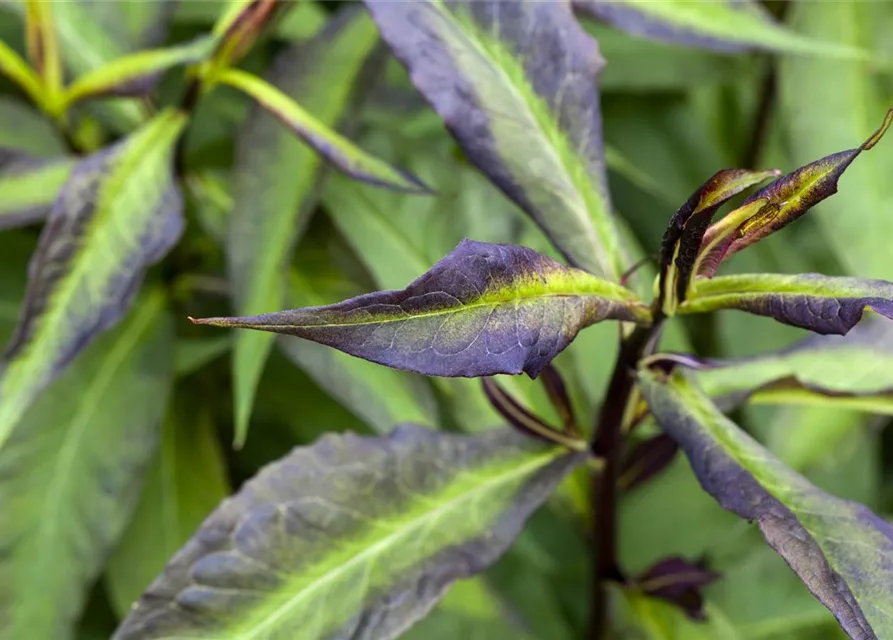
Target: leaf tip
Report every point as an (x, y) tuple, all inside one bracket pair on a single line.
[(877, 135)]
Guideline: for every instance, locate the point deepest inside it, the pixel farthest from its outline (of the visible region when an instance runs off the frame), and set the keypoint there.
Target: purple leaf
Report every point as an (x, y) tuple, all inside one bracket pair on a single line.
[(646, 460), (680, 582), (841, 551), (484, 309)]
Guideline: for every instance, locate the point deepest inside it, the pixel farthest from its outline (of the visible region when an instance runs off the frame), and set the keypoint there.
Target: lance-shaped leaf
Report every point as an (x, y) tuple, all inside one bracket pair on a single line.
[(850, 371), (516, 84), (822, 304), (778, 204), (13, 67), (28, 187), (482, 310), (138, 73), (119, 212), (352, 537), (71, 472), (239, 27), (682, 239), (335, 148), (268, 211), (725, 25), (838, 548)]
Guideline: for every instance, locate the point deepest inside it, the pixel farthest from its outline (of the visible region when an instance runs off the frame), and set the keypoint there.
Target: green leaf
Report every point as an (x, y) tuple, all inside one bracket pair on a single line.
[(642, 617), (303, 19), (71, 472), (119, 213), (136, 74), (352, 526), (482, 310), (516, 84), (13, 67), (827, 105), (836, 546), (383, 398), (186, 482), (823, 304), (726, 26), (193, 354), (850, 371), (26, 130), (338, 150), (270, 212), (29, 187)]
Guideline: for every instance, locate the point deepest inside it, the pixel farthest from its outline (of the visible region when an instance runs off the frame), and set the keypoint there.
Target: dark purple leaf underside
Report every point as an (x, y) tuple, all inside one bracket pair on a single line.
[(678, 581), (482, 310), (646, 460), (839, 549)]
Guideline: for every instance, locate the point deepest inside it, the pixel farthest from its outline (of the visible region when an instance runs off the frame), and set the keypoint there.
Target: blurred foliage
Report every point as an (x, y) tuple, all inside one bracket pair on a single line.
[(118, 449)]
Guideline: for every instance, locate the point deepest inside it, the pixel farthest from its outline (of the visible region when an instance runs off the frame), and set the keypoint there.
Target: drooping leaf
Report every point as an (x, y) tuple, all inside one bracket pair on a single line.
[(351, 537), (72, 470), (778, 204), (119, 212), (28, 188), (837, 547), (270, 212), (335, 148), (382, 398), (516, 84), (138, 73), (827, 105), (726, 25), (185, 483), (484, 309), (847, 371), (822, 304), (682, 239)]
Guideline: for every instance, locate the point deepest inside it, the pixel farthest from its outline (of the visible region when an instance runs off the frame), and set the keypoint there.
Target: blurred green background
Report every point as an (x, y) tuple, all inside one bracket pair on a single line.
[(673, 116)]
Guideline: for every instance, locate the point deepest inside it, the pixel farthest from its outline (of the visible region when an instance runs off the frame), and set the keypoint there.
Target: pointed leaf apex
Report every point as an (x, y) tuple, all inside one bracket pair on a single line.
[(877, 135)]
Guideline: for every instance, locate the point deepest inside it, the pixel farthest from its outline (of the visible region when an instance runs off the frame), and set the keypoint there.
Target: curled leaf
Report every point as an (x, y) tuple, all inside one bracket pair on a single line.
[(352, 537), (119, 212), (822, 304), (838, 548), (516, 85), (778, 204), (682, 239), (484, 309)]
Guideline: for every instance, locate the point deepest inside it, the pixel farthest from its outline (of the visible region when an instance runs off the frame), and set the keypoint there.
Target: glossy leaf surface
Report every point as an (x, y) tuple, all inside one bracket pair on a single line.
[(516, 84), (352, 537), (726, 25), (847, 371), (484, 309), (822, 304), (335, 148), (71, 472), (119, 212), (682, 239), (269, 212), (837, 547), (778, 204)]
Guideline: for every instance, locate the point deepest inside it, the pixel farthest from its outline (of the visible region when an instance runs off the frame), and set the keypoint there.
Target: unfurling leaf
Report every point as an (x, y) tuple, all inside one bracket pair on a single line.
[(516, 84), (28, 187), (351, 537), (119, 212), (823, 304), (778, 204), (335, 148), (70, 474), (680, 582), (851, 371), (136, 74), (682, 239), (269, 212), (838, 548), (723, 25), (484, 309)]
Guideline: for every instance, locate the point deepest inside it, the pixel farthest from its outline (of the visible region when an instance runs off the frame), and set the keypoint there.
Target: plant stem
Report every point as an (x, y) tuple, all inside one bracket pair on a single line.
[(607, 444)]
